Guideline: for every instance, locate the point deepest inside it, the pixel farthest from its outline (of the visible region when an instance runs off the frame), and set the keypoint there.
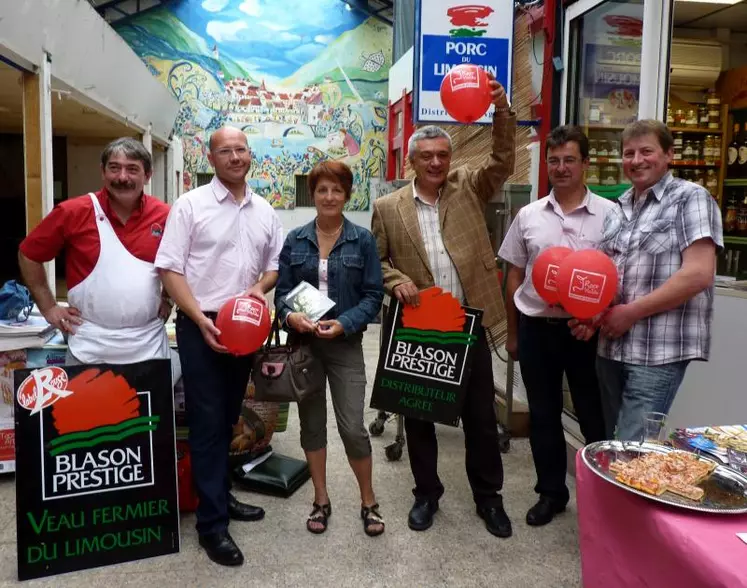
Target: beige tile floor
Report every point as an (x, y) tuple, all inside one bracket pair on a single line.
[(456, 551)]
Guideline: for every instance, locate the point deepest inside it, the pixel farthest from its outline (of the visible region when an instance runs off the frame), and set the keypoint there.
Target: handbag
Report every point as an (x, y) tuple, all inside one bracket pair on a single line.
[(279, 475), (15, 301), (286, 373)]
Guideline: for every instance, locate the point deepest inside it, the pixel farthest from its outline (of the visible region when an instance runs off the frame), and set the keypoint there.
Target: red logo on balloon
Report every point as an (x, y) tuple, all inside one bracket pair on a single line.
[(551, 279), (587, 282), (248, 310), (463, 78), (587, 286), (545, 272)]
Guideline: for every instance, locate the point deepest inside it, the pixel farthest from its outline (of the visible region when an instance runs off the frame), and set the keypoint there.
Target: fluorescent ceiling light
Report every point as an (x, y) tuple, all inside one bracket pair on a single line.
[(712, 1)]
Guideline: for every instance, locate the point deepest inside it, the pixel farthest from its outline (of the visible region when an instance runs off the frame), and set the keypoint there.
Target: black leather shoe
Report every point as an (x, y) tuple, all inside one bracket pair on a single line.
[(544, 511), (496, 520), (239, 511), (421, 514), (221, 548)]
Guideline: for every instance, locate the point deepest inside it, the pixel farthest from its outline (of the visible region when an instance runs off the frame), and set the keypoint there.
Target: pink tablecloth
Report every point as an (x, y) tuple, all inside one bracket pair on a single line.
[(629, 541)]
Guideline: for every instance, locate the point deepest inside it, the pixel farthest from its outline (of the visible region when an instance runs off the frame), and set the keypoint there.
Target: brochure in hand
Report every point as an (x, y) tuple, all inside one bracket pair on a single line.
[(308, 300)]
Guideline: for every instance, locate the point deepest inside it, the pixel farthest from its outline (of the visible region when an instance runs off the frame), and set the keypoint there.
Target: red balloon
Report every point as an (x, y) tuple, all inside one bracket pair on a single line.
[(465, 93), (545, 272), (244, 324), (587, 283)]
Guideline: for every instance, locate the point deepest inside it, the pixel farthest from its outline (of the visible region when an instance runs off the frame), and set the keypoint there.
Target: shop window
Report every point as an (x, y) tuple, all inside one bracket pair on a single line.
[(604, 85), (203, 179), (303, 198)]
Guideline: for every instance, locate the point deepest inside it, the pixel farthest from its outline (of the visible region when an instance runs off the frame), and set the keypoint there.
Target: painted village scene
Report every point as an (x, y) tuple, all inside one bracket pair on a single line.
[(305, 81)]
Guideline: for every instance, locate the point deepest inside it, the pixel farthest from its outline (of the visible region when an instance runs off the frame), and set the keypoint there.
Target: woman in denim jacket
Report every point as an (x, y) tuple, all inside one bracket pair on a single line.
[(341, 260)]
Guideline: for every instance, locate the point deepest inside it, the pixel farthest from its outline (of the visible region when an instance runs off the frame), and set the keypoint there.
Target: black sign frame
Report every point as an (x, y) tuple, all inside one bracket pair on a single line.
[(97, 496), (431, 397)]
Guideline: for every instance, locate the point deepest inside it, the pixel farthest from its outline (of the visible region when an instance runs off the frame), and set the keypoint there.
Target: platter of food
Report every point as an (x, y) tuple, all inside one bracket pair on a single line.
[(670, 476)]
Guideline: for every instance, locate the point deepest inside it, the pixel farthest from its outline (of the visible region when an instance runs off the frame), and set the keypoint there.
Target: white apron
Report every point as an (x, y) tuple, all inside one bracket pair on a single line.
[(118, 303)]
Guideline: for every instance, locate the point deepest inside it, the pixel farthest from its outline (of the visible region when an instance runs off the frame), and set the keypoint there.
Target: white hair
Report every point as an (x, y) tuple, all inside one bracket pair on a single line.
[(429, 132)]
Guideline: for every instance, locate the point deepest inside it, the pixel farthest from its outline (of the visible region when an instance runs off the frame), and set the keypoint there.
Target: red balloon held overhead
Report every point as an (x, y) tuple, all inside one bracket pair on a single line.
[(244, 324), (587, 282), (465, 93), (545, 272)]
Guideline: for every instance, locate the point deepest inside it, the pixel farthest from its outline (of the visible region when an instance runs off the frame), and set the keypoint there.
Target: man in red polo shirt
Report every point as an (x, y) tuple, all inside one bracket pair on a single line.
[(116, 308)]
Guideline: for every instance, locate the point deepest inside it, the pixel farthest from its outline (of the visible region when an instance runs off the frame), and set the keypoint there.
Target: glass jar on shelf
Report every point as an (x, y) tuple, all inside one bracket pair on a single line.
[(711, 182), (670, 115), (742, 217), (703, 116), (593, 144), (687, 174), (602, 149), (730, 218), (610, 175), (614, 149), (691, 119), (675, 172), (592, 174), (716, 149), (688, 153), (679, 118), (678, 147), (713, 101), (708, 150), (698, 177), (699, 151)]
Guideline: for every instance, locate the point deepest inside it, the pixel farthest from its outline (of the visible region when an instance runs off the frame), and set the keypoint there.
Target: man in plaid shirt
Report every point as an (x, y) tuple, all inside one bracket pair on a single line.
[(663, 237)]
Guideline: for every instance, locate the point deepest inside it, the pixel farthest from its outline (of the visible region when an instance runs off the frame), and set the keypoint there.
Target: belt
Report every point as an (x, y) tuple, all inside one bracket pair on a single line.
[(551, 320), (210, 314)]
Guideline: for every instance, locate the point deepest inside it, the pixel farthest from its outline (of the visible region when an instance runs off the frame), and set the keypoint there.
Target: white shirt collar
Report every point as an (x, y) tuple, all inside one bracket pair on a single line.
[(221, 192), (588, 202)]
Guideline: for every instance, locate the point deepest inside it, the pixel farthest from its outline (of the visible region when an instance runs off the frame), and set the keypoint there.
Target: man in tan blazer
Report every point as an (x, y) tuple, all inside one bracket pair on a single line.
[(433, 232)]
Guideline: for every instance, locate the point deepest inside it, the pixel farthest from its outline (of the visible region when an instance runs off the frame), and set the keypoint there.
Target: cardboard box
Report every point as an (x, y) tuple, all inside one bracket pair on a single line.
[(9, 361), (7, 447)]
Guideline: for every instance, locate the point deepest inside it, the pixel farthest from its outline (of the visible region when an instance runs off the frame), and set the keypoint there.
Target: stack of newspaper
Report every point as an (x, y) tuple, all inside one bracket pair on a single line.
[(35, 331)]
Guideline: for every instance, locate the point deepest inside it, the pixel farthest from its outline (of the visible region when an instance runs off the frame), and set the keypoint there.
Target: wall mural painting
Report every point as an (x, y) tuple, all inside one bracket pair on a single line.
[(305, 81)]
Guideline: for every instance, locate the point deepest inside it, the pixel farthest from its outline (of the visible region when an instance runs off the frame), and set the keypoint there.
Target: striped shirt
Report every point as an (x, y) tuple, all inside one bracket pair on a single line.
[(444, 273), (645, 238)]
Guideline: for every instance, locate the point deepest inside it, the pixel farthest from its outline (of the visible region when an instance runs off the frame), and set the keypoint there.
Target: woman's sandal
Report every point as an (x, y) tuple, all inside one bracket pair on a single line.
[(371, 517), (319, 515)]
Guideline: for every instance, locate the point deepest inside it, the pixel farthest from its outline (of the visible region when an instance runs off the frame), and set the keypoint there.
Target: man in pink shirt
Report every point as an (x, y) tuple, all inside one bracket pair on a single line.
[(220, 240), (538, 334)]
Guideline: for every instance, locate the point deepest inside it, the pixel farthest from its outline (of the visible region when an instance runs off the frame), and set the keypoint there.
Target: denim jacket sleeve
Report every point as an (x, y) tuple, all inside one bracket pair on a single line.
[(354, 319), (285, 278)]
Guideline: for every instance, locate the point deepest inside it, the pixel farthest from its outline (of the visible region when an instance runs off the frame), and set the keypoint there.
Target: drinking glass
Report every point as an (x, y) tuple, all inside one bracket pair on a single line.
[(654, 427)]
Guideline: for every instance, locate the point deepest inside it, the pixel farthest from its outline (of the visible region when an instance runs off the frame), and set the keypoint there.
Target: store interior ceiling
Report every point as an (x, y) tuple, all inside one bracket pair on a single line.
[(116, 10), (711, 15), (69, 117)]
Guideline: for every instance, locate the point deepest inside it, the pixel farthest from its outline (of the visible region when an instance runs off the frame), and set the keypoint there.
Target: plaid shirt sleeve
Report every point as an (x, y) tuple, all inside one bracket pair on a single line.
[(700, 218), (514, 249)]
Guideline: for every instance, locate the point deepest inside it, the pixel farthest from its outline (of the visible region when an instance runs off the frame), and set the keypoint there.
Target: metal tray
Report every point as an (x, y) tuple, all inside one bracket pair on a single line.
[(725, 489)]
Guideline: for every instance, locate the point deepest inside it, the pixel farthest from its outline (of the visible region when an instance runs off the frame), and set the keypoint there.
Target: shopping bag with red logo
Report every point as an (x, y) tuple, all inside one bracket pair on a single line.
[(187, 493)]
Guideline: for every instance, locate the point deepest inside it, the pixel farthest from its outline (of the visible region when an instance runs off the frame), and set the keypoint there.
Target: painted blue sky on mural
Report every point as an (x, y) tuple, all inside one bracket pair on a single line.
[(259, 33)]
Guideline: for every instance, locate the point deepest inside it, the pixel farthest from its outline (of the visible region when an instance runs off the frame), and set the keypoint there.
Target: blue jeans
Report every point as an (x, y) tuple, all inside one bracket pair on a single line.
[(629, 391)]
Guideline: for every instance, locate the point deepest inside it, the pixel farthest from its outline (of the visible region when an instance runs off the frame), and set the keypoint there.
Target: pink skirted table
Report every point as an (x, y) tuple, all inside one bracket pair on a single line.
[(629, 541)]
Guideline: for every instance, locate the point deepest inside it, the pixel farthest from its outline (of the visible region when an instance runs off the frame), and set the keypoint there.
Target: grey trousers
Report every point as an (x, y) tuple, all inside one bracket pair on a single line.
[(343, 363)]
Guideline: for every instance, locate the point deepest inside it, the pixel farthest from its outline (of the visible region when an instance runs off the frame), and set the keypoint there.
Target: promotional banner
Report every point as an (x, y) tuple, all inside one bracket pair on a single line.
[(95, 457), (447, 34), (426, 358)]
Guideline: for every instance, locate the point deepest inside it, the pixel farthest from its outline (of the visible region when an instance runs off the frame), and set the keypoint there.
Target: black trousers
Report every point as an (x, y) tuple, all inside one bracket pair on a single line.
[(214, 388), (483, 455), (546, 350)]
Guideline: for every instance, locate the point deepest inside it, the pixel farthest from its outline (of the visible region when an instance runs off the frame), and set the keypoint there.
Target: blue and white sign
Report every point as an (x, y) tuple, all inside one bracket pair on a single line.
[(448, 34)]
